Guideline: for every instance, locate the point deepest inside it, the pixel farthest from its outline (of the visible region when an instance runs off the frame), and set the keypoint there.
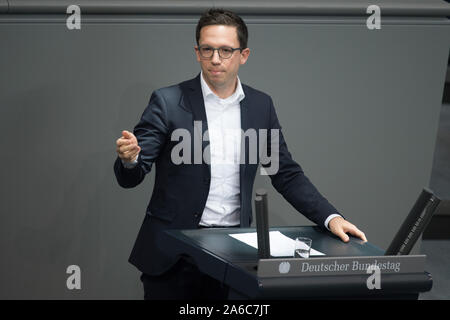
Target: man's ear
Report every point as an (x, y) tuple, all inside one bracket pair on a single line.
[(244, 55), (197, 53)]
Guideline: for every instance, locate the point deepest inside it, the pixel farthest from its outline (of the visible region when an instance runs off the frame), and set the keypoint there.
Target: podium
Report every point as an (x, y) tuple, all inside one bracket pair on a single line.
[(236, 264)]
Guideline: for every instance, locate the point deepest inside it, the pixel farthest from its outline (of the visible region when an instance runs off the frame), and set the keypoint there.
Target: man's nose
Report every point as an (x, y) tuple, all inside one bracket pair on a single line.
[(216, 58)]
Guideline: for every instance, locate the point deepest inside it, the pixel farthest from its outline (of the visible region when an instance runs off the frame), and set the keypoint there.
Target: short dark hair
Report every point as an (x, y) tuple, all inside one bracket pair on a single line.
[(223, 17)]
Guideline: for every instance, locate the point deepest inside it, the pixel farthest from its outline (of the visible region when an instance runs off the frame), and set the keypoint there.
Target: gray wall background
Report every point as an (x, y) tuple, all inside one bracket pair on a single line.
[(359, 110)]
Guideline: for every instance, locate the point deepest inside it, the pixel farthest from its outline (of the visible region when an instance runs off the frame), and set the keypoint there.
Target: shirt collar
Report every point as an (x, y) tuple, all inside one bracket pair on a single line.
[(238, 94)]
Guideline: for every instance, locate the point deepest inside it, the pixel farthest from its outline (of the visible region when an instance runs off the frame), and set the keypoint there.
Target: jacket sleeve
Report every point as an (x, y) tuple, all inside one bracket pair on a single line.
[(151, 134), (289, 179)]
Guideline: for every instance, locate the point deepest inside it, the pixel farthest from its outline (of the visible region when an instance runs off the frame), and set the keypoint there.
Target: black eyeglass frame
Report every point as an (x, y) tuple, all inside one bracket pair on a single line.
[(218, 51)]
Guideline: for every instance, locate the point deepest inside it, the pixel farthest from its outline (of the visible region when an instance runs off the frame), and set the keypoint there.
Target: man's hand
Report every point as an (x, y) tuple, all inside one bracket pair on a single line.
[(339, 226), (127, 147)]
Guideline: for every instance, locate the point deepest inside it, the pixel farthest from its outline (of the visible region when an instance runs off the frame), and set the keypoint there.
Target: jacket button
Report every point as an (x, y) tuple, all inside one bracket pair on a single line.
[(196, 214), (206, 181)]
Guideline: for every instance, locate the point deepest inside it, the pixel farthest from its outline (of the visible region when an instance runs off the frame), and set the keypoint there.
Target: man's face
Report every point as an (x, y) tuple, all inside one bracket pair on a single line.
[(220, 72)]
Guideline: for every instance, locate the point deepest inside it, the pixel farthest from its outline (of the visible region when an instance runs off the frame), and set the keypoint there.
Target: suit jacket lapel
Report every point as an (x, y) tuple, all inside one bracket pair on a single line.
[(245, 125), (197, 105)]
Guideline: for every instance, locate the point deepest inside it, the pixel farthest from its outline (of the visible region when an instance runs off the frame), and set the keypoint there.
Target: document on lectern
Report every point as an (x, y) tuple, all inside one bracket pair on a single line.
[(280, 245)]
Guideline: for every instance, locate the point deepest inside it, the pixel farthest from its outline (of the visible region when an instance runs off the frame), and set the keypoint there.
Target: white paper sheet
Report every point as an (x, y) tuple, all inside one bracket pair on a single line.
[(280, 245)]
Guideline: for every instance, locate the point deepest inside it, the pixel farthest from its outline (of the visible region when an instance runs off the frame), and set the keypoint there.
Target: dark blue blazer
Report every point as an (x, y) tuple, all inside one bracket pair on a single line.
[(180, 191)]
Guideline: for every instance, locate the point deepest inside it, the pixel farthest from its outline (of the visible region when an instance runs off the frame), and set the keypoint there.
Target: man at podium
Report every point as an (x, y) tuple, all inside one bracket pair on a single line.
[(205, 179)]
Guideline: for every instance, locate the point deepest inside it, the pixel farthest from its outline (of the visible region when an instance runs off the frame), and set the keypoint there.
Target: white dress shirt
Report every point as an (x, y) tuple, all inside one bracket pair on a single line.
[(224, 128)]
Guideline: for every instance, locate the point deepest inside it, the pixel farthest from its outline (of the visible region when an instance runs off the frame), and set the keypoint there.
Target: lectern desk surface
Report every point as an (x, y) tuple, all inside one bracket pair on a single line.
[(234, 262)]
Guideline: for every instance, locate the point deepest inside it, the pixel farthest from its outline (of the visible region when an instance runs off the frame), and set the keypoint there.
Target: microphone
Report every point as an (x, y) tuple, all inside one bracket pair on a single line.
[(262, 224)]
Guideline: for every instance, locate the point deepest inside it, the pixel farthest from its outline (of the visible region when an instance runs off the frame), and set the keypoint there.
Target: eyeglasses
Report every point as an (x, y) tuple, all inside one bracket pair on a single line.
[(224, 52)]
